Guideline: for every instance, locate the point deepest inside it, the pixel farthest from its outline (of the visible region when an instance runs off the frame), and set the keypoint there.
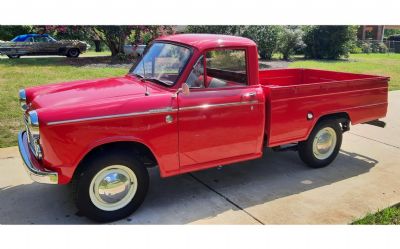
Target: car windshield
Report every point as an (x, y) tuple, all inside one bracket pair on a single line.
[(162, 63)]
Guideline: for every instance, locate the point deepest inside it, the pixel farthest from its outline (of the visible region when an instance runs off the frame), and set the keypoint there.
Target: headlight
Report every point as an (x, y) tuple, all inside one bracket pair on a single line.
[(32, 128), (22, 99)]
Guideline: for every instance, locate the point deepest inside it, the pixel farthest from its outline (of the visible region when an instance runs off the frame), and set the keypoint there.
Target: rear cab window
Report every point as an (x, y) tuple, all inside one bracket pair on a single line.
[(226, 68)]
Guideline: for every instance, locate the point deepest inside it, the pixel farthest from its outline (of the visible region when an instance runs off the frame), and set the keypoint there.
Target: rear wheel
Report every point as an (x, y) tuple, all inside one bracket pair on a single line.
[(73, 52), (111, 187), (13, 56), (323, 144)]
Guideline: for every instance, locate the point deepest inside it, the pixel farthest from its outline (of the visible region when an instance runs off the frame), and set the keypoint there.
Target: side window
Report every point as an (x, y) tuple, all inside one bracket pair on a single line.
[(41, 39), (30, 39), (226, 68), (196, 76)]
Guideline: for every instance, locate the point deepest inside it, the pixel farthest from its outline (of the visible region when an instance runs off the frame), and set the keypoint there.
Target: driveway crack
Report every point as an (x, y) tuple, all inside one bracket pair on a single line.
[(226, 198), (394, 146)]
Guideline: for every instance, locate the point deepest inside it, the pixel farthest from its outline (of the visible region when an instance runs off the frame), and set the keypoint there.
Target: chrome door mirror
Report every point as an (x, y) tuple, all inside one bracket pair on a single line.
[(184, 89)]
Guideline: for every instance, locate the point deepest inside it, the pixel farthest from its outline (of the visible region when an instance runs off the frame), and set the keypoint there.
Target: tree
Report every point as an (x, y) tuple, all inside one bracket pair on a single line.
[(328, 42), (215, 29), (85, 33), (8, 32), (116, 36), (290, 40), (266, 38)]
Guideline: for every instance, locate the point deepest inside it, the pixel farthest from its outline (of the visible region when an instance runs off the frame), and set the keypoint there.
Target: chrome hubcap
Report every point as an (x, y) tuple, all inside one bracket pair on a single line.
[(324, 143), (113, 187)]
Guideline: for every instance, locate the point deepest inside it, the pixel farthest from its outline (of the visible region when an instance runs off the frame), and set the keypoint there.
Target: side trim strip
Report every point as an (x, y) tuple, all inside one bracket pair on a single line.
[(206, 106), (132, 114)]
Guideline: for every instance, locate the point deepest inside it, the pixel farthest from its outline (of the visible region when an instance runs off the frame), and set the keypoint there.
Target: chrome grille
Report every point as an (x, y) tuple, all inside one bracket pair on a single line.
[(31, 139)]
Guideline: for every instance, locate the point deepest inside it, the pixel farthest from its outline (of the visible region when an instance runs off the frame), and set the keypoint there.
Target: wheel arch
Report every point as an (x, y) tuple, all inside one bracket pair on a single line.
[(343, 118), (143, 152)]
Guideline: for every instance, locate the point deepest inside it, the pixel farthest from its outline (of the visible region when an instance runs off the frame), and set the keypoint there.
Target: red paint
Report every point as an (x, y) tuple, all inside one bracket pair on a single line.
[(203, 137)]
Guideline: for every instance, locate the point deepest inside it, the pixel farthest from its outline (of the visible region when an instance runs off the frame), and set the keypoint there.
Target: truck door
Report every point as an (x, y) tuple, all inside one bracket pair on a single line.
[(222, 116)]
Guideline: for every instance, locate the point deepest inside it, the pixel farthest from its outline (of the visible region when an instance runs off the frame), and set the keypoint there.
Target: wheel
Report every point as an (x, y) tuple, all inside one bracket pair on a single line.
[(73, 52), (13, 56), (110, 187), (323, 144)]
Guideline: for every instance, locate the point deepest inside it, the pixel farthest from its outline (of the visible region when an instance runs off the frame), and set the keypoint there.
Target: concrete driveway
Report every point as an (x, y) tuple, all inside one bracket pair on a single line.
[(277, 189)]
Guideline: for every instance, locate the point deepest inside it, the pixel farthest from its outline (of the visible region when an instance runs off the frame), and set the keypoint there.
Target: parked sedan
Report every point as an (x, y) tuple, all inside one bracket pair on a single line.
[(36, 44)]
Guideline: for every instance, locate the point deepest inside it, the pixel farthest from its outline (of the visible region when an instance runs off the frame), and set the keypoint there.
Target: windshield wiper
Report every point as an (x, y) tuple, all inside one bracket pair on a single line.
[(138, 75), (157, 81)]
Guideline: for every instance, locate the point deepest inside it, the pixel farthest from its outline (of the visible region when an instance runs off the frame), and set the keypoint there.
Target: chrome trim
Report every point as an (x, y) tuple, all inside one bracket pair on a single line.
[(35, 174), (132, 114), (22, 99), (206, 106), (31, 121)]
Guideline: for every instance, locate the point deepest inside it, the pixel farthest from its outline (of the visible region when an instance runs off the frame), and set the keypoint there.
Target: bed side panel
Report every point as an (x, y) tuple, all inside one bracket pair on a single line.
[(363, 100)]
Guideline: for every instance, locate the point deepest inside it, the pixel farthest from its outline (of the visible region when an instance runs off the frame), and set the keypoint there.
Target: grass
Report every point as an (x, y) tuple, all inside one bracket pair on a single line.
[(377, 64), (25, 72), (91, 53), (388, 216)]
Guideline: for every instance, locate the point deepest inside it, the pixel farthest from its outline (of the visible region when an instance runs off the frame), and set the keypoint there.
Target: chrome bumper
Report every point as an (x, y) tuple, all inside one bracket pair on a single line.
[(37, 175)]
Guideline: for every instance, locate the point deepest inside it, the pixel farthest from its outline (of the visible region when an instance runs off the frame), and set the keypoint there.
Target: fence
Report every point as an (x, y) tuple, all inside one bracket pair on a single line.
[(392, 46)]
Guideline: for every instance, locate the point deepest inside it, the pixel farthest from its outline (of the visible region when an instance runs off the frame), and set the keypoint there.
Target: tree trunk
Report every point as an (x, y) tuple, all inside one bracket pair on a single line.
[(97, 45)]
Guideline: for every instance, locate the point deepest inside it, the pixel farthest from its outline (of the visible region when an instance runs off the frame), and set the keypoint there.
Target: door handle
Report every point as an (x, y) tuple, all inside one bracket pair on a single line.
[(249, 96)]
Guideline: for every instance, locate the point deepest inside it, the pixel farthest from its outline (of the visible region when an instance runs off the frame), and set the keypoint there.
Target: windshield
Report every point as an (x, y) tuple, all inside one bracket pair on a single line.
[(163, 63)]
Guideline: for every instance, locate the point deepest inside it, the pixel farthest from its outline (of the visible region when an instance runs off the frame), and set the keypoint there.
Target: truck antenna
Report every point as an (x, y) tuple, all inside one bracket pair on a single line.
[(144, 79)]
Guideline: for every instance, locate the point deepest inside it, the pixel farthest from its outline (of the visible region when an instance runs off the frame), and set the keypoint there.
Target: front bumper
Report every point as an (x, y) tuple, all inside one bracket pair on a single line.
[(32, 165)]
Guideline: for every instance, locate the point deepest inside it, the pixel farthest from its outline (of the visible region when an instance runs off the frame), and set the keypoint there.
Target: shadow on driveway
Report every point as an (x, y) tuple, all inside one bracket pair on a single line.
[(184, 199)]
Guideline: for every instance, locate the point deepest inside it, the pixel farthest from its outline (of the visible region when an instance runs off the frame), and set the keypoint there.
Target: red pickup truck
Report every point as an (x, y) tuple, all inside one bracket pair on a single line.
[(192, 102)]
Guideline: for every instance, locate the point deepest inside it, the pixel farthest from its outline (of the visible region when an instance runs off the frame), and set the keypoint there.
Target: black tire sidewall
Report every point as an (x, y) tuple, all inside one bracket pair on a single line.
[(73, 56), (306, 148), (82, 197)]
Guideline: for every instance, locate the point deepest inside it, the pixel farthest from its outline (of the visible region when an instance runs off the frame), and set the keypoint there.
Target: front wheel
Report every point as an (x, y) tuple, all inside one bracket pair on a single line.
[(73, 53), (13, 56), (323, 144), (111, 187)]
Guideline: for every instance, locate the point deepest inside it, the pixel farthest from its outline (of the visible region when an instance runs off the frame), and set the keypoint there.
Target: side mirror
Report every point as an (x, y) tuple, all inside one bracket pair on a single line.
[(184, 89)]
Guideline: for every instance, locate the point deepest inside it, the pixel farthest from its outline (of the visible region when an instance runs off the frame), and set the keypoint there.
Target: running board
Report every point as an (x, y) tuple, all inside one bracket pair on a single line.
[(287, 147), (377, 123)]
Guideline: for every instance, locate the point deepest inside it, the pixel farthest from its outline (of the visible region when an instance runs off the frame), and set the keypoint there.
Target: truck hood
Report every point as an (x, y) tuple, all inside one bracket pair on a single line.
[(85, 92)]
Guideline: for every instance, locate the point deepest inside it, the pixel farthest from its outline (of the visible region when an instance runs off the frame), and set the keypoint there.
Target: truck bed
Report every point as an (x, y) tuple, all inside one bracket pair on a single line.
[(293, 93)]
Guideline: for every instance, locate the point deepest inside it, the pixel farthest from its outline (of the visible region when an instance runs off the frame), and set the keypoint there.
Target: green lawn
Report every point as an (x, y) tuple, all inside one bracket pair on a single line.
[(388, 216), (379, 64), (25, 72), (91, 53)]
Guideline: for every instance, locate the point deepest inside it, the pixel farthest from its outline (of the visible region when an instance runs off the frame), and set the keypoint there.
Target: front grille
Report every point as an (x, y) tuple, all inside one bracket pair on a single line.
[(31, 139)]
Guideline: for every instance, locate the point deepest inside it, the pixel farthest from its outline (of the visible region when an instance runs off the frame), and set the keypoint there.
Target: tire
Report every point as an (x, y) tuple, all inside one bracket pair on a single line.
[(99, 205), (13, 56), (73, 53), (320, 154)]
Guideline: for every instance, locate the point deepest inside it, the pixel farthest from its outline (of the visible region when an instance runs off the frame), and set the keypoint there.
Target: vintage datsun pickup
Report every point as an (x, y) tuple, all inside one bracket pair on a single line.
[(192, 102)]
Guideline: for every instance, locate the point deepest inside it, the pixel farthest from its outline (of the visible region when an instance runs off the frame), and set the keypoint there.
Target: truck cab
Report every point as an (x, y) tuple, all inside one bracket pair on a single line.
[(193, 101)]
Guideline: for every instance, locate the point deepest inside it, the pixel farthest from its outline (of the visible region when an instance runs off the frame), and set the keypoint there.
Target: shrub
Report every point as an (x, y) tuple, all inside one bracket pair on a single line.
[(266, 38), (289, 41), (366, 48), (328, 42)]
